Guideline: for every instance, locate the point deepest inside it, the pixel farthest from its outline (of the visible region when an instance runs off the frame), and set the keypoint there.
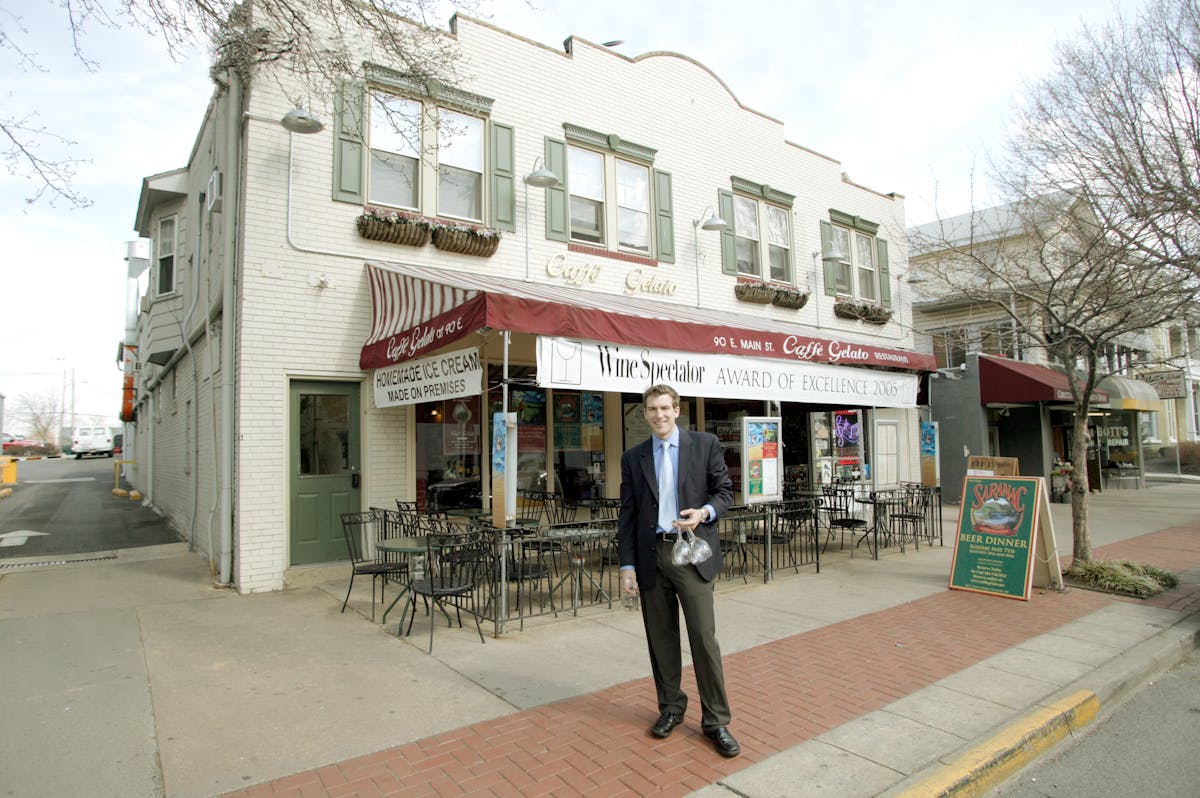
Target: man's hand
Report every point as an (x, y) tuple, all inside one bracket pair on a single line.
[(629, 582), (689, 519)]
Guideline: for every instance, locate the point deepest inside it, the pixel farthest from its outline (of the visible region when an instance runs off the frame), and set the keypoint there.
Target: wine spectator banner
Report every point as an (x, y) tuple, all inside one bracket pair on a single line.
[(997, 535)]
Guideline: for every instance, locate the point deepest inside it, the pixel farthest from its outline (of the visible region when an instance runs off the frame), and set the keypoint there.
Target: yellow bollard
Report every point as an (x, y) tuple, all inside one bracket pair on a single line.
[(135, 495), (117, 475), (8, 471)]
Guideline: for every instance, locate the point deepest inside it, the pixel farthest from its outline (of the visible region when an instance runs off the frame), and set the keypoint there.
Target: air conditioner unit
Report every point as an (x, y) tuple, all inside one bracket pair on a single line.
[(215, 187)]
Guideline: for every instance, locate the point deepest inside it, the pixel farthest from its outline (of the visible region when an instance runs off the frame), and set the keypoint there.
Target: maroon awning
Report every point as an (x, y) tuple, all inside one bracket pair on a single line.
[(416, 310), (1003, 380)]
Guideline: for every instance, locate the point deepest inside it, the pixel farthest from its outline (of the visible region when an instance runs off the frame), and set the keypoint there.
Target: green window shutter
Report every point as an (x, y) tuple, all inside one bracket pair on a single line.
[(728, 245), (556, 196), (349, 143), (504, 201), (664, 219), (829, 267), (885, 282)]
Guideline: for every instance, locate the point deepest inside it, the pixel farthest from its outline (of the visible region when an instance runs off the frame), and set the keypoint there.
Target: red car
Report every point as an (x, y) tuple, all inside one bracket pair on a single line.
[(14, 443)]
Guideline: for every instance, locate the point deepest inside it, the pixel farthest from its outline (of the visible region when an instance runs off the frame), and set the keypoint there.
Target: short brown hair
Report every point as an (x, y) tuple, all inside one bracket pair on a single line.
[(658, 390)]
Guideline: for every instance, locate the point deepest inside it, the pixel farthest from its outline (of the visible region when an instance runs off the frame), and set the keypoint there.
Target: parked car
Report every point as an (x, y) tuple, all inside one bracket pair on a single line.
[(13, 443), (92, 440)]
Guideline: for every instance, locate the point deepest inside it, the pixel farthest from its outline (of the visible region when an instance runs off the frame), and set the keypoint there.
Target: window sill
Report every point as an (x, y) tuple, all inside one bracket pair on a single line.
[(600, 252)]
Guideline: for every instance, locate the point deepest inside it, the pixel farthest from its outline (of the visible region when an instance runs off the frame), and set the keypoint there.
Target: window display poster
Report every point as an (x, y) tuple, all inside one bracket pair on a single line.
[(762, 459)]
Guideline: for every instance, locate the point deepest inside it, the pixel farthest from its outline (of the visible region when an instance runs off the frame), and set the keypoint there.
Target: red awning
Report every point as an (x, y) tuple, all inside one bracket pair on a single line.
[(416, 310), (1002, 380)]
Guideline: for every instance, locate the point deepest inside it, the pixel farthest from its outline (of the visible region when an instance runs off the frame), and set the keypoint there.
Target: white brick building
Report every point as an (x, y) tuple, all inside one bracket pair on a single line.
[(266, 299)]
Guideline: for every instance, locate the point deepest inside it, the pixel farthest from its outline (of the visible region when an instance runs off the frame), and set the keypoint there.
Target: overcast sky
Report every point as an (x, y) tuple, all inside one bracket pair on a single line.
[(909, 96)]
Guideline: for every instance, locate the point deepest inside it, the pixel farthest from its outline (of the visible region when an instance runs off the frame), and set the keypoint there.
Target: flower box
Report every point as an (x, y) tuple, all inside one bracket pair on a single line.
[(789, 298), (758, 293), (393, 227), (863, 311), (479, 242)]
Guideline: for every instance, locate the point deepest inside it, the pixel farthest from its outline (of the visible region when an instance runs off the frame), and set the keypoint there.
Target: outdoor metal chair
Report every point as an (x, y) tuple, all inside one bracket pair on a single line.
[(558, 509), (843, 515), (360, 531), (455, 566)]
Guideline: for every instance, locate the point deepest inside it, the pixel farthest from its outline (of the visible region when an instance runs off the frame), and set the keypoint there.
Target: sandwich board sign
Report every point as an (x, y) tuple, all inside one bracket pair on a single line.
[(1004, 538)]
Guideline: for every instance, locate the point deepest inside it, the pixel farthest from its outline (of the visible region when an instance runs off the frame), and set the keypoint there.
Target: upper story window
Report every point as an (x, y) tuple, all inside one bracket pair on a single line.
[(758, 241), (610, 197), (422, 147), (855, 259), (951, 345), (164, 249), (401, 131)]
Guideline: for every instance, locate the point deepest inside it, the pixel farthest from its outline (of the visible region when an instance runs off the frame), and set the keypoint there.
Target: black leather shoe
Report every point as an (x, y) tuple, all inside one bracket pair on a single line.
[(665, 724), (723, 740)]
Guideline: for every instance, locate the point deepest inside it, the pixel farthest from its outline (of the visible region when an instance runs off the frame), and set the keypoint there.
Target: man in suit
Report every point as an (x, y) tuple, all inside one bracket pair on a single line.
[(647, 529)]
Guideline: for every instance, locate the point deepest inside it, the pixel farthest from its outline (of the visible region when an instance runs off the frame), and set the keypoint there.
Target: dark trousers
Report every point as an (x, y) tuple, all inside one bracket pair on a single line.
[(681, 587)]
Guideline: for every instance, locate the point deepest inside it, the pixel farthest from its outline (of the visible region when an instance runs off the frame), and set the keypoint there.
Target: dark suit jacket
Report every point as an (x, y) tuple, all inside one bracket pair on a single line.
[(702, 479)]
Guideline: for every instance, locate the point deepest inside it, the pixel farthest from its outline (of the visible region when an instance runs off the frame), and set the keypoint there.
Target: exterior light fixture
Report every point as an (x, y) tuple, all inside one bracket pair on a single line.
[(711, 221), (541, 177), (300, 120)]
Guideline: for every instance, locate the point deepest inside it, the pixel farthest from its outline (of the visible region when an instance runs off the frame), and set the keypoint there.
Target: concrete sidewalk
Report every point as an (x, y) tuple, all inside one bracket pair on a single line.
[(134, 676)]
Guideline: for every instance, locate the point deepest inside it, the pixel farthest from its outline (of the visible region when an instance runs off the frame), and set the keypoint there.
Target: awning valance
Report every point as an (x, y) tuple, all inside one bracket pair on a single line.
[(416, 310), (1002, 380), (1126, 393)]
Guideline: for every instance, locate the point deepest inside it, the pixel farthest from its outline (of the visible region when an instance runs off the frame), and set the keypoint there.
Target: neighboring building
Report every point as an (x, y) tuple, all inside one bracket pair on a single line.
[(996, 395), (298, 357)]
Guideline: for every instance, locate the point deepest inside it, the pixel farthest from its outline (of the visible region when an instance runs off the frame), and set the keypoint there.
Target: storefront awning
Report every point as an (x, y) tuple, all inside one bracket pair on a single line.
[(416, 310), (1002, 380), (1126, 393)]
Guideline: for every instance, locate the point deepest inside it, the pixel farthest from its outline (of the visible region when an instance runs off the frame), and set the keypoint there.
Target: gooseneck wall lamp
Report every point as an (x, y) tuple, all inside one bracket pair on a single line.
[(708, 221)]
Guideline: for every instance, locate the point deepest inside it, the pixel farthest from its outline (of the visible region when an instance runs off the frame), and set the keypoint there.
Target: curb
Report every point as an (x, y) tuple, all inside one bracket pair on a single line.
[(974, 770)]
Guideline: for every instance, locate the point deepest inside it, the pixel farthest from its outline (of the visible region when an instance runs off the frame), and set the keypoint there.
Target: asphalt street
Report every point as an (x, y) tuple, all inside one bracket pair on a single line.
[(1147, 746), (63, 506)]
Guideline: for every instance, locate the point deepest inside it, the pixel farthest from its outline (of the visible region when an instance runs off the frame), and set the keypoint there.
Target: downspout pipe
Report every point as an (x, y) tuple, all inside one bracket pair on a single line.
[(229, 320)]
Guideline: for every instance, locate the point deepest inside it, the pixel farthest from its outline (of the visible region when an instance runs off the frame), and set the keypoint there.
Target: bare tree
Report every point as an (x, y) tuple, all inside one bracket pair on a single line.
[(1118, 121), (39, 412), (317, 41), (1069, 286)]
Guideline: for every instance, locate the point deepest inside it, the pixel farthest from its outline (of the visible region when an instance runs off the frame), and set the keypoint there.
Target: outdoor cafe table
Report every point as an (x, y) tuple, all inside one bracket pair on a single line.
[(880, 502), (577, 539), (408, 547)]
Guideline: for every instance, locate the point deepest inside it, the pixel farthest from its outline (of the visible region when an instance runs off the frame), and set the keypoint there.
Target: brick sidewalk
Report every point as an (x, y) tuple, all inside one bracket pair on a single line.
[(782, 693)]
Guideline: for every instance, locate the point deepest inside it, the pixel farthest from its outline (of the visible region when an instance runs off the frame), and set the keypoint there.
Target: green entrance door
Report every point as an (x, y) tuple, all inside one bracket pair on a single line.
[(324, 468)]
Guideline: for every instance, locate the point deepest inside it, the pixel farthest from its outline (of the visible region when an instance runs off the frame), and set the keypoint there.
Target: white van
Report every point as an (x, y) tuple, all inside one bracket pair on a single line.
[(92, 440)]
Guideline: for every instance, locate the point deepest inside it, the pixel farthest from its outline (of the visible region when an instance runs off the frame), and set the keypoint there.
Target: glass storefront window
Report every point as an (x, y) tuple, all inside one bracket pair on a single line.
[(448, 467), (324, 435), (848, 444), (579, 444)]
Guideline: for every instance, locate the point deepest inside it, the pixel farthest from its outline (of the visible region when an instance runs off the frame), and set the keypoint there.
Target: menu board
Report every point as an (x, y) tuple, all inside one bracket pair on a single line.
[(762, 459), (997, 534)]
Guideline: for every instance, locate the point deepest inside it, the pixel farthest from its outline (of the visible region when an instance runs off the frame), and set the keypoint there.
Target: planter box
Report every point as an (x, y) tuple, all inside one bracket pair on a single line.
[(754, 292), (413, 234), (872, 314), (465, 242), (786, 298)]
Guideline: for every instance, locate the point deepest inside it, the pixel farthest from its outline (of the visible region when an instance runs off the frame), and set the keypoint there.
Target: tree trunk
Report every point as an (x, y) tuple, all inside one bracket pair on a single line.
[(1079, 489)]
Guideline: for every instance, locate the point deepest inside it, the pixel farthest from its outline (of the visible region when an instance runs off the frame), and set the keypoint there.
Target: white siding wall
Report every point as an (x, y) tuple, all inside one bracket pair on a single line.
[(288, 329)]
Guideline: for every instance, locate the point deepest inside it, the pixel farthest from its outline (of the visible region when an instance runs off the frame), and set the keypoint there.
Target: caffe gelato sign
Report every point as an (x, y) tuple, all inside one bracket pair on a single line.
[(447, 376), (597, 366)]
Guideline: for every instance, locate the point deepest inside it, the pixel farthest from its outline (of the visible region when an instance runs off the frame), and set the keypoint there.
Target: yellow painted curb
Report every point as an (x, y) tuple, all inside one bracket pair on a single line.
[(978, 769)]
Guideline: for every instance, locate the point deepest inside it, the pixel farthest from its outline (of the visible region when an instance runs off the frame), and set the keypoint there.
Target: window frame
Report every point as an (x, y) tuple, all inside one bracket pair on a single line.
[(765, 199), (609, 203), (843, 277), (429, 191), (160, 257)]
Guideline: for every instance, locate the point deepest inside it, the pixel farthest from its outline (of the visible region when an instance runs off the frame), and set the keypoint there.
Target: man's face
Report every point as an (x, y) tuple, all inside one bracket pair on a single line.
[(661, 414)]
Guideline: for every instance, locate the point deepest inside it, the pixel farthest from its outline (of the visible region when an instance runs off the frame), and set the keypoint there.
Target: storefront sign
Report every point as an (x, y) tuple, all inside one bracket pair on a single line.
[(1167, 384), (997, 528), (590, 365), (446, 376)]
